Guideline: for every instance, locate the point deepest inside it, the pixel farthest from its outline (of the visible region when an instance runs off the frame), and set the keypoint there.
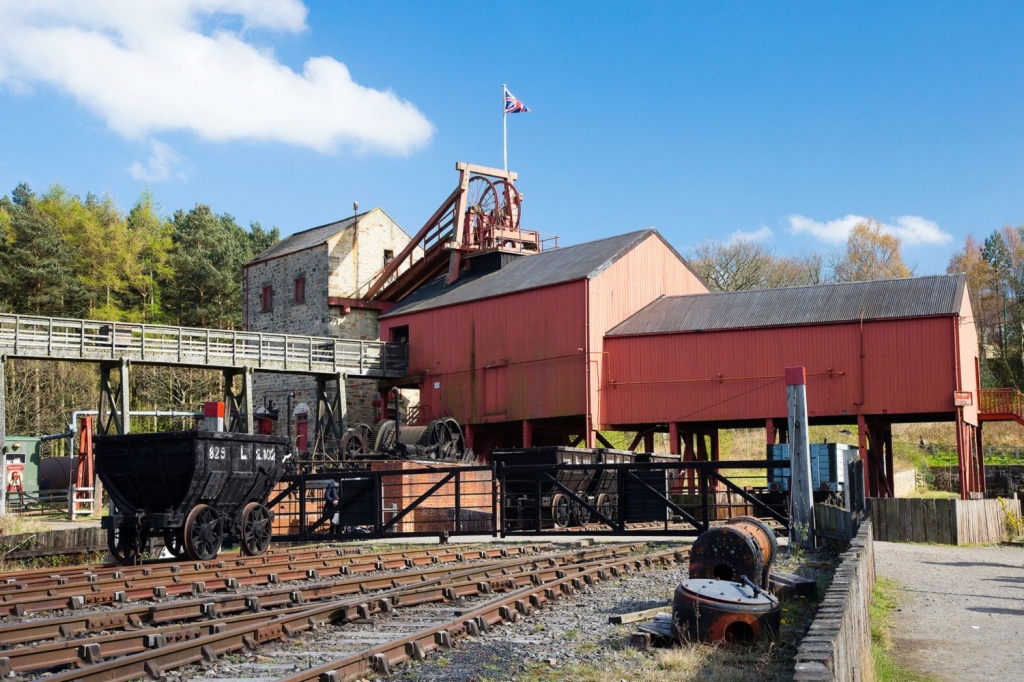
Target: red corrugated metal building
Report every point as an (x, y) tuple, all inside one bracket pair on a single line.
[(514, 348), (876, 353)]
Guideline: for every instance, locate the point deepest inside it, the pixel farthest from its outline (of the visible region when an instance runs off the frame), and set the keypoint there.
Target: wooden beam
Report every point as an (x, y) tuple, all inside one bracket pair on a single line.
[(646, 614)]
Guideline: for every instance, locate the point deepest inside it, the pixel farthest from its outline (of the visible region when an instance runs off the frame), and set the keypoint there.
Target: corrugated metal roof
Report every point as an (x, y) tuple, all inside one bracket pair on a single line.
[(818, 304), (527, 272), (314, 236)]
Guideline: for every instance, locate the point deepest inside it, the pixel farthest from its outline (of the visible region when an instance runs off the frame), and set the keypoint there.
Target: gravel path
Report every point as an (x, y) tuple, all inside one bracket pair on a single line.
[(961, 615)]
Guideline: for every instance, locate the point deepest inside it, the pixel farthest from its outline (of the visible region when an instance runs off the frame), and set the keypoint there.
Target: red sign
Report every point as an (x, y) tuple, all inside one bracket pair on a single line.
[(14, 477), (963, 398)]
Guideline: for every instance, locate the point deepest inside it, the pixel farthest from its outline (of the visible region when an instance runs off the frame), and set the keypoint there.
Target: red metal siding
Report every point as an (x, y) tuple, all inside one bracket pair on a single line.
[(508, 358), (650, 270), (731, 375)]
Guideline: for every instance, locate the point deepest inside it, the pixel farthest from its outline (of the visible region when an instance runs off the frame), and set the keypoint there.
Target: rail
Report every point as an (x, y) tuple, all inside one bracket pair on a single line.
[(1001, 404), (50, 338)]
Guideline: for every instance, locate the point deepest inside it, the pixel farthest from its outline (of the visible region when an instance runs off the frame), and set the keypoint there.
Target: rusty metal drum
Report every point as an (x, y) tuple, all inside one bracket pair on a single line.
[(724, 611), (742, 547)]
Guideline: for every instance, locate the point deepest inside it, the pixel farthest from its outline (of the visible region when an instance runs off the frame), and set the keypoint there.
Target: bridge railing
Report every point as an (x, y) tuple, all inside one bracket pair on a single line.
[(69, 339)]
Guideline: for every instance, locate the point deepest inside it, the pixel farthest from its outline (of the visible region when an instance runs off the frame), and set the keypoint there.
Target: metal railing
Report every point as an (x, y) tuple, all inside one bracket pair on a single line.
[(50, 338)]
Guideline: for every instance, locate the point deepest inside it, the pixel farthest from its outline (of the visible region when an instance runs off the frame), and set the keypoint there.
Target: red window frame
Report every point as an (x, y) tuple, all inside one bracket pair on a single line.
[(268, 298), (300, 290)]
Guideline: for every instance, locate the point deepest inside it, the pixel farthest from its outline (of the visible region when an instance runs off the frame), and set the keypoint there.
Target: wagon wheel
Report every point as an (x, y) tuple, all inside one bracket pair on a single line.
[(456, 445), (481, 196), (384, 435), (581, 514), (606, 505), (203, 533), (509, 203), (122, 545), (354, 442), (256, 529), (560, 510), (363, 432), (174, 541)]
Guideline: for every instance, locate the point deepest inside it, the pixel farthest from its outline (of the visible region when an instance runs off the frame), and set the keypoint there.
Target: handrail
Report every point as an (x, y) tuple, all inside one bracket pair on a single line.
[(32, 337), (1001, 401)]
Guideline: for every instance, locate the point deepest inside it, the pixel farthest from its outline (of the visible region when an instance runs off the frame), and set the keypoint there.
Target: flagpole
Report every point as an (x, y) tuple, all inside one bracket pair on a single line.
[(504, 126)]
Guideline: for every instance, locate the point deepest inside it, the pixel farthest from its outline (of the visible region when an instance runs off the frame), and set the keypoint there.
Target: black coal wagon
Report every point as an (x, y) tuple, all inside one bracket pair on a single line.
[(529, 491), (197, 490)]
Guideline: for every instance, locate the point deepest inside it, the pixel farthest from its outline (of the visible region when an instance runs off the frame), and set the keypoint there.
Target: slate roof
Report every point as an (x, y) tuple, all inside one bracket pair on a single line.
[(314, 236), (818, 304), (581, 261)]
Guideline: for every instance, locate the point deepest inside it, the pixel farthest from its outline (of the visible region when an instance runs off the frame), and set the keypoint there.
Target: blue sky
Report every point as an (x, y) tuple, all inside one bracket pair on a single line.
[(772, 120)]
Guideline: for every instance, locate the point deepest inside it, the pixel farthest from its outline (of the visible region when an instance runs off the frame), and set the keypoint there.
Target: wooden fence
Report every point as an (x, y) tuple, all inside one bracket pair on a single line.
[(945, 522), (835, 526)]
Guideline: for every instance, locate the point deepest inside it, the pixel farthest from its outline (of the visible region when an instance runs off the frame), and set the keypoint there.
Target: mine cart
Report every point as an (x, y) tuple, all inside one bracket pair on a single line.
[(528, 490), (196, 490)]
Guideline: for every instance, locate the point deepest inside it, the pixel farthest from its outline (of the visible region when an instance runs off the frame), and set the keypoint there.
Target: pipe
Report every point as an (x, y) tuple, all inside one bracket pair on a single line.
[(73, 426)]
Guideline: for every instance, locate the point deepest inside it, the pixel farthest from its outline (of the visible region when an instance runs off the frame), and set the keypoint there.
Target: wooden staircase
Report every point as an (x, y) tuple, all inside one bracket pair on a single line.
[(1001, 404)]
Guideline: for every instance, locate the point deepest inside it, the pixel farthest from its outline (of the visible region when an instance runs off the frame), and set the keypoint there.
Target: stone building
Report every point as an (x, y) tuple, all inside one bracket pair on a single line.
[(310, 284)]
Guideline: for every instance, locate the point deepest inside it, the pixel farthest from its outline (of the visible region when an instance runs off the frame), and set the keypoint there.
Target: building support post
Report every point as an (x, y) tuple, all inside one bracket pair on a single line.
[(330, 413), (648, 442), (862, 446), (673, 438), (890, 476), (769, 430), (963, 455), (527, 433), (689, 456), (113, 417), (3, 436), (982, 484), (801, 499)]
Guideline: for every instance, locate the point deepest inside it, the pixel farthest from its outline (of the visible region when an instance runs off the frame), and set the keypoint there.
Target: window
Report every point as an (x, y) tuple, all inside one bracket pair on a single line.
[(389, 256), (300, 290), (400, 334), (268, 298)]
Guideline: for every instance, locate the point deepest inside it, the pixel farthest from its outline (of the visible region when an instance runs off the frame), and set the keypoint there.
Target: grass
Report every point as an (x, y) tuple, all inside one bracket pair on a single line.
[(884, 601)]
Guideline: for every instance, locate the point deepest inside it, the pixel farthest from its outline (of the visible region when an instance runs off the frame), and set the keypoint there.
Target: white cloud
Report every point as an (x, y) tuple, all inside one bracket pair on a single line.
[(758, 235), (911, 229), (149, 67), (162, 161)]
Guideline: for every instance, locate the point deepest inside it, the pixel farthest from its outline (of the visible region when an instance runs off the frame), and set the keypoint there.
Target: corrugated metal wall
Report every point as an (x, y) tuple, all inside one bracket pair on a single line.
[(650, 270), (908, 368), (500, 359)]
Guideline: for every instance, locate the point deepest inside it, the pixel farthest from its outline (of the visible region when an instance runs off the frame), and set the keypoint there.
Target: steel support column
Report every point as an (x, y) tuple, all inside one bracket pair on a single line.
[(648, 442), (769, 429), (527, 433), (330, 413), (113, 417), (238, 405), (673, 438), (982, 485), (862, 446)]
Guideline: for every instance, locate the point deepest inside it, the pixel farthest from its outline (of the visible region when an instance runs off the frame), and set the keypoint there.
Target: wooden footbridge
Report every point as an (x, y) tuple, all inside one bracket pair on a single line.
[(115, 346)]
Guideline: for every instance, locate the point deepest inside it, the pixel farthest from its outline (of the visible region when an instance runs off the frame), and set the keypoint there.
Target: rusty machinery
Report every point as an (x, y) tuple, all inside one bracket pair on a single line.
[(440, 440), (726, 597)]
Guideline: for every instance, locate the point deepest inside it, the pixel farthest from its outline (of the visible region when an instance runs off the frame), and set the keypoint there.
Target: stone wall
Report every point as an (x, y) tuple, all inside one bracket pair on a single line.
[(837, 645), (331, 269), (1002, 480)]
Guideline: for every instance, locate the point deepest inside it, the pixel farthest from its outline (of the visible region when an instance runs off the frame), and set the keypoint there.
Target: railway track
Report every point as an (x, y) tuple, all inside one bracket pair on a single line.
[(376, 616)]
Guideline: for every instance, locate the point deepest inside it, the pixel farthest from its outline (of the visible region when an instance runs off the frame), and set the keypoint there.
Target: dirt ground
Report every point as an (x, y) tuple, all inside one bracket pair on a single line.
[(961, 614)]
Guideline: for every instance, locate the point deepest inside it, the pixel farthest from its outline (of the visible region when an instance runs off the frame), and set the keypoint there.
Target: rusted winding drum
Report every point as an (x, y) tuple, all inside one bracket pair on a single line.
[(765, 537), (724, 611), (743, 547)]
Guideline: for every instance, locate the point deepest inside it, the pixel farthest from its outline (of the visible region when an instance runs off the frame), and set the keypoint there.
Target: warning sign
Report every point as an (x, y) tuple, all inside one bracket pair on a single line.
[(963, 398), (15, 477)]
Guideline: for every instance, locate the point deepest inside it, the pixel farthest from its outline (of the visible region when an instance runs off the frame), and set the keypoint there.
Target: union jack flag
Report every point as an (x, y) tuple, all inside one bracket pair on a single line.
[(514, 106)]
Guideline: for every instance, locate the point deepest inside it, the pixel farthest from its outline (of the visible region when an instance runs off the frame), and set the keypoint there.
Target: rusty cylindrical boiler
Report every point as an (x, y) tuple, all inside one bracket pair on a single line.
[(744, 546), (724, 611)]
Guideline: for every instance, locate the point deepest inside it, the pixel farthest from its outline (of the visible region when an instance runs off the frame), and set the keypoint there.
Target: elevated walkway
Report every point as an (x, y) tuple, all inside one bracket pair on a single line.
[(1001, 404), (51, 338)]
